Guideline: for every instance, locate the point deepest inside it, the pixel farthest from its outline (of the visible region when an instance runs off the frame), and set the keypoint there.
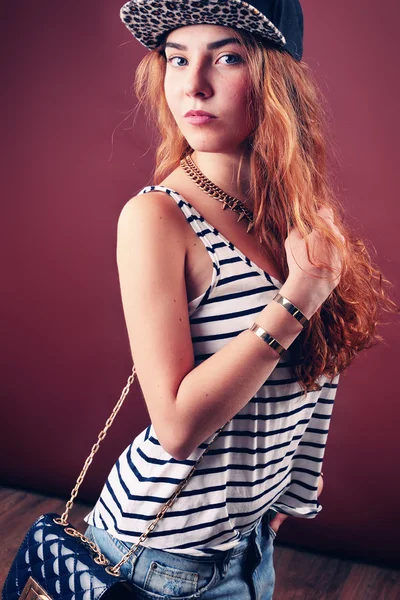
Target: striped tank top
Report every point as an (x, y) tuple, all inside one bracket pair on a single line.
[(268, 456)]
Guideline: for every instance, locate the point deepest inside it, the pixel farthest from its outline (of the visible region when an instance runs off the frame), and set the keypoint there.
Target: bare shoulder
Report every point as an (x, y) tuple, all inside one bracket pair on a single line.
[(151, 207)]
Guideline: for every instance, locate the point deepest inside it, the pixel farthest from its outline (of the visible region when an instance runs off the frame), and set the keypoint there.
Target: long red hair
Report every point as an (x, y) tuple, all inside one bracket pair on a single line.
[(289, 183)]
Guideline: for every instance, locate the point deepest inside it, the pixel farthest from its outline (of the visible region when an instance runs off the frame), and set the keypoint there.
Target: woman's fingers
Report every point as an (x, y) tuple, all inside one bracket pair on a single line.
[(326, 212), (320, 485), (277, 521)]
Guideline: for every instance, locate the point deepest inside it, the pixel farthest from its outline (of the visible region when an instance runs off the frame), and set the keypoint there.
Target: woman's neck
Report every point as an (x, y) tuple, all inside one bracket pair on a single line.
[(223, 170)]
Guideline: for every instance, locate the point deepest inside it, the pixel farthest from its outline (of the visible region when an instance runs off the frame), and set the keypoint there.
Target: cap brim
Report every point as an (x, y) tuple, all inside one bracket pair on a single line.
[(150, 20)]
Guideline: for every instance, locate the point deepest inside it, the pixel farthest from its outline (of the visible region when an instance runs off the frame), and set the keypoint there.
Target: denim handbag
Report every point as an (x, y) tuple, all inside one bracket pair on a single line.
[(57, 562)]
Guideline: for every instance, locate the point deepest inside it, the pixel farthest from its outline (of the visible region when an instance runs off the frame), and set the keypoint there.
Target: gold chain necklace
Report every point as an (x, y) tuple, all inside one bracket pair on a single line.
[(192, 170)]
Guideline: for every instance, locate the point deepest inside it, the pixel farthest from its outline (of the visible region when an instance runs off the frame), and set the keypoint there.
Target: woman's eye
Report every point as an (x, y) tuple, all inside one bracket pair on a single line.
[(170, 60), (236, 59)]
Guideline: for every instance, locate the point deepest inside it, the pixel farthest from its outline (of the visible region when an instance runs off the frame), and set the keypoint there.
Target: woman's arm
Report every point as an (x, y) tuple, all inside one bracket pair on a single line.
[(187, 404), (218, 388)]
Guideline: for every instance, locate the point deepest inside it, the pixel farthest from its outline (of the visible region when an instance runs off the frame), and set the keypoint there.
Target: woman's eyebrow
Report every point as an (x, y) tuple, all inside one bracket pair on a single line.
[(212, 46)]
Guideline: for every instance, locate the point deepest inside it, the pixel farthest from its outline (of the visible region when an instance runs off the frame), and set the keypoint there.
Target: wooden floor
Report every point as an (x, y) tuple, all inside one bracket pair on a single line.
[(299, 575)]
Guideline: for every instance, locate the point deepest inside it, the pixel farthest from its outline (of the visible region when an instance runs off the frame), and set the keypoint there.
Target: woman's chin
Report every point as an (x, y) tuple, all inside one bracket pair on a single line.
[(212, 146)]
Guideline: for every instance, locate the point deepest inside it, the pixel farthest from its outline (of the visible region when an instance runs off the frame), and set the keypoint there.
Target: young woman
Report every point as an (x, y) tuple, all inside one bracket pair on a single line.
[(240, 319)]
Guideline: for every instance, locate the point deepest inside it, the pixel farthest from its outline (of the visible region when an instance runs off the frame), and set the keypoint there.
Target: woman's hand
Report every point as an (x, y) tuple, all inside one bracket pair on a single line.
[(279, 518), (277, 521), (308, 286)]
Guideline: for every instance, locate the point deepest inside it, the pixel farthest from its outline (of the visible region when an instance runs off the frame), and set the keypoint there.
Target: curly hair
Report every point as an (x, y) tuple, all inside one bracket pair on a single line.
[(290, 182)]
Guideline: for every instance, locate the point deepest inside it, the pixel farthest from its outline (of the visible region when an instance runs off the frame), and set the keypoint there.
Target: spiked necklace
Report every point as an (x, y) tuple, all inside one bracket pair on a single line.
[(192, 170)]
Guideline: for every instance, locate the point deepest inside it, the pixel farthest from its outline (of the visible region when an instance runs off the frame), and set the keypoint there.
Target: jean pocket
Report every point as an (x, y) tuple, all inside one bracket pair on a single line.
[(174, 582), (163, 574)]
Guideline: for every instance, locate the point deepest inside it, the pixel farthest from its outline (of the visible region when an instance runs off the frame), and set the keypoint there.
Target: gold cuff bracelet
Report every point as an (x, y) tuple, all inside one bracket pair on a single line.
[(291, 308), (271, 341)]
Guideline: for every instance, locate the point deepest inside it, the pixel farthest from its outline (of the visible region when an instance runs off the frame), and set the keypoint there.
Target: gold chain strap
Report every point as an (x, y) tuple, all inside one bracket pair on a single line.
[(100, 559), (63, 520), (64, 517)]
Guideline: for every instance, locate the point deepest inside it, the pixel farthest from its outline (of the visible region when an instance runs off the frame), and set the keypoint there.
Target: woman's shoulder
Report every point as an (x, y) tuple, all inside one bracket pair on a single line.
[(152, 203), (151, 218)]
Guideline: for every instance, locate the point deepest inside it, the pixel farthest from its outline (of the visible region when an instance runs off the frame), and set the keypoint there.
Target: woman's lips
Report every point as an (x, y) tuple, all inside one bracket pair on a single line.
[(199, 119)]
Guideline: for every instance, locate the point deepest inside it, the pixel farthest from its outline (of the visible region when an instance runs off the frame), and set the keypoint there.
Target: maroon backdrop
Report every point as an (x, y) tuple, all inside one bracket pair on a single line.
[(71, 160)]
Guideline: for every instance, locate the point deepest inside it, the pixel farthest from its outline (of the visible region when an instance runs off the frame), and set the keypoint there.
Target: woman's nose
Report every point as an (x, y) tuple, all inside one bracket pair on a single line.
[(197, 83)]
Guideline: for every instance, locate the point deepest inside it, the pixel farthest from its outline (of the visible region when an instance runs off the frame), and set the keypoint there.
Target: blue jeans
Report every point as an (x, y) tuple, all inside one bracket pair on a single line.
[(243, 573)]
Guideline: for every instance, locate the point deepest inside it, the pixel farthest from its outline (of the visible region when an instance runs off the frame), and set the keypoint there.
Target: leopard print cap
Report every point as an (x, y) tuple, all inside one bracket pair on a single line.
[(149, 20)]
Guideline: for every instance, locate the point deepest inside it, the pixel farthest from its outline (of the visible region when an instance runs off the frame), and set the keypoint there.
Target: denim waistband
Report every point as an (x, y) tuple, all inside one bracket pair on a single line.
[(245, 540)]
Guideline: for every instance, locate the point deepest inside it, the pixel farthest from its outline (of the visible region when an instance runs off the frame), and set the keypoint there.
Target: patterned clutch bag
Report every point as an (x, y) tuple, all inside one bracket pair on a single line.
[(53, 563), (57, 562)]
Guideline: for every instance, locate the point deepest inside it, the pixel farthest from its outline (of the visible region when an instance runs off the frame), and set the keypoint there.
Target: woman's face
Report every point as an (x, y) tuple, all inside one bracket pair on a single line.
[(206, 71)]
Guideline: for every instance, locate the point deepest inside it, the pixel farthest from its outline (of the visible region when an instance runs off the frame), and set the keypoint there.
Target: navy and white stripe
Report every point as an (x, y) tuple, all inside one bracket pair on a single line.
[(269, 456)]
